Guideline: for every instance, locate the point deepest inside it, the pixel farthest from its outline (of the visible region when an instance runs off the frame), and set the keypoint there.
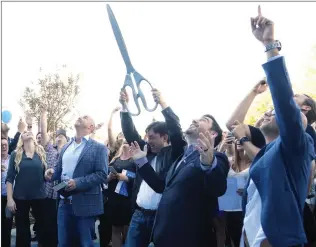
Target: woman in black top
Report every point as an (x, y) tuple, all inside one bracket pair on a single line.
[(26, 171), (120, 189)]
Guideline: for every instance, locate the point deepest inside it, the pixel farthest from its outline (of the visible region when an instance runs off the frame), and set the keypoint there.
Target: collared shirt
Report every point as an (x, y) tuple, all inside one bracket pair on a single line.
[(190, 150), (71, 157), (252, 221), (51, 159), (4, 163), (147, 198)]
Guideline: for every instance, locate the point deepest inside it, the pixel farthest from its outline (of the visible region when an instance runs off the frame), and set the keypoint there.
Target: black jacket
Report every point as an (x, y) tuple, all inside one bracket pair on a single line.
[(166, 156)]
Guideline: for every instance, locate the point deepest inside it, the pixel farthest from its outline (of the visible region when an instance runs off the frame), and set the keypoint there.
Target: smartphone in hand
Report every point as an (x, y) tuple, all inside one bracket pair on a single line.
[(60, 186), (111, 168)]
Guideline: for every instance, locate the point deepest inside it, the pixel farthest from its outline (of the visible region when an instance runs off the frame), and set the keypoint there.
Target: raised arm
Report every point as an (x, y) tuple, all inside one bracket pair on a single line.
[(111, 137), (45, 136), (173, 124), (243, 107), (14, 142), (287, 113), (128, 127)]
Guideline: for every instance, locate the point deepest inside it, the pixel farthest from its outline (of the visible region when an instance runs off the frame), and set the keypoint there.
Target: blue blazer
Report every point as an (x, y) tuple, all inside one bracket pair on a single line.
[(281, 170), (89, 174), (189, 200)]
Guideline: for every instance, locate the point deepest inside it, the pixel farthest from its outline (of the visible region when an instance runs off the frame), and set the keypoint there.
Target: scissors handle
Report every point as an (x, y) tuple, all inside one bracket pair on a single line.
[(129, 83), (138, 79)]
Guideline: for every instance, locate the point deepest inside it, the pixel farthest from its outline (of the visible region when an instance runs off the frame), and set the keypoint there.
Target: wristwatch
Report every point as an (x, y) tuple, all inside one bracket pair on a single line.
[(243, 140), (275, 45)]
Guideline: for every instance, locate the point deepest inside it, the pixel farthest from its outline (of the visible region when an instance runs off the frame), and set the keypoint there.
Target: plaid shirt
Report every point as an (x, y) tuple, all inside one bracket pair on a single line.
[(51, 158)]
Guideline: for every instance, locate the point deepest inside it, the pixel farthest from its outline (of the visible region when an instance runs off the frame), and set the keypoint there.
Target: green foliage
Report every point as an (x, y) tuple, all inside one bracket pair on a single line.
[(57, 95)]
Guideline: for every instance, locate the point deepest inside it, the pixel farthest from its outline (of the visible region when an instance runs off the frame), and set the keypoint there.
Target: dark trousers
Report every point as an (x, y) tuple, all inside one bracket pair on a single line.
[(23, 236), (51, 217), (140, 229), (234, 224), (6, 224), (73, 230), (105, 227)]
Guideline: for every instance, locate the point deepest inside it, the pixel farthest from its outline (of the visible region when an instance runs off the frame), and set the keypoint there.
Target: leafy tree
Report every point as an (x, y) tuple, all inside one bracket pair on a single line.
[(55, 92)]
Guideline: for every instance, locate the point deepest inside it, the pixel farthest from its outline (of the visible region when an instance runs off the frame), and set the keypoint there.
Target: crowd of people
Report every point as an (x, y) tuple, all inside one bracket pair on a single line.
[(248, 186)]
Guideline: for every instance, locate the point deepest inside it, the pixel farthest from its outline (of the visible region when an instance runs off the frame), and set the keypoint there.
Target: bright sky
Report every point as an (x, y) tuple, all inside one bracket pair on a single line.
[(201, 56)]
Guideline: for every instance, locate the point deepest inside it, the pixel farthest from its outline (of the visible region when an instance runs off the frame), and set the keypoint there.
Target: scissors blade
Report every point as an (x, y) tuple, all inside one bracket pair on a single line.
[(119, 39)]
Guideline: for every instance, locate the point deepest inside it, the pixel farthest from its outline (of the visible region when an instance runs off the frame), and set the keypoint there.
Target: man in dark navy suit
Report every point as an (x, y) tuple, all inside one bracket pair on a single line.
[(190, 190)]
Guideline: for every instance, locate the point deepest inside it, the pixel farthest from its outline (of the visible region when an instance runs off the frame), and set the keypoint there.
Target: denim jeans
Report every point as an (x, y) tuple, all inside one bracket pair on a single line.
[(73, 230), (140, 229)]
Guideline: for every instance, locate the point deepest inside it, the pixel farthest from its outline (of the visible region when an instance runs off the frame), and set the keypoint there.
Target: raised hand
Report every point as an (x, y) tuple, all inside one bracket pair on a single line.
[(262, 28), (116, 109), (124, 98), (29, 120), (158, 98), (261, 86), (240, 130), (136, 152), (21, 126), (206, 147)]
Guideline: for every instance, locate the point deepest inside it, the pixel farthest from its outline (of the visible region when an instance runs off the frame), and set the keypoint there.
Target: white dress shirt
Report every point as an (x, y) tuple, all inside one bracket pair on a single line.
[(70, 158), (252, 221), (147, 198)]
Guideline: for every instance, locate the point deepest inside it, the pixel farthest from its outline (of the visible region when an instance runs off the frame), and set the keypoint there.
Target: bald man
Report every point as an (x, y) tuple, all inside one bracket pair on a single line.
[(82, 167)]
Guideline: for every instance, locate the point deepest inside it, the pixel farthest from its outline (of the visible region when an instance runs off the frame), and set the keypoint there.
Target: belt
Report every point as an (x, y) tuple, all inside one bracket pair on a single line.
[(66, 201), (146, 211)]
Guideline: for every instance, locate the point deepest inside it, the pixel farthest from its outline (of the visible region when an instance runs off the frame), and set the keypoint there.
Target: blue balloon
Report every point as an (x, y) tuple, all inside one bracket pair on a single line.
[(6, 116)]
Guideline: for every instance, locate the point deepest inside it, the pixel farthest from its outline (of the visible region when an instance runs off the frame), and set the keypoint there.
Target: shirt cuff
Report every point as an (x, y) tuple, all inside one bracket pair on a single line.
[(209, 167), (140, 162), (273, 58)]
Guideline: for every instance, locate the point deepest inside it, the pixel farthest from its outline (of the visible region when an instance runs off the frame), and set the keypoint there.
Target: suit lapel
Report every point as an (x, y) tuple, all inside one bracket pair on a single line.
[(85, 149), (183, 163)]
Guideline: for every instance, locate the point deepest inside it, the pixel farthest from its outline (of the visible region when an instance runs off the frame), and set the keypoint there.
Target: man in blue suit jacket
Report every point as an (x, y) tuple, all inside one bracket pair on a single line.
[(83, 165), (279, 175), (190, 190)]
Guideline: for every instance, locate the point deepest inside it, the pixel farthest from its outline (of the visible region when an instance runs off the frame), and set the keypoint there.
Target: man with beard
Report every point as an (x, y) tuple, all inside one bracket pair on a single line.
[(160, 155), (190, 190)]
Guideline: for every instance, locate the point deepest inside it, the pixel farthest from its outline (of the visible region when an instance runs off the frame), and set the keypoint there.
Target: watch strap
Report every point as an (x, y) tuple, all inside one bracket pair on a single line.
[(243, 140), (275, 45)]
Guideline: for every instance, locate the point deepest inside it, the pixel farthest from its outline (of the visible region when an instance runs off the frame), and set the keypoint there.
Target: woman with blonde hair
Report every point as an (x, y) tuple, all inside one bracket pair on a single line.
[(26, 171)]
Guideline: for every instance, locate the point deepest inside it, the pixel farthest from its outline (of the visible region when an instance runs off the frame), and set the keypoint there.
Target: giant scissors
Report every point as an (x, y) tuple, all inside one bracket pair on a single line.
[(131, 72)]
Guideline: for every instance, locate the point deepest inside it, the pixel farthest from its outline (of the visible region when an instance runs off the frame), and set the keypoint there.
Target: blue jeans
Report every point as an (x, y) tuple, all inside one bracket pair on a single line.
[(140, 229), (73, 230)]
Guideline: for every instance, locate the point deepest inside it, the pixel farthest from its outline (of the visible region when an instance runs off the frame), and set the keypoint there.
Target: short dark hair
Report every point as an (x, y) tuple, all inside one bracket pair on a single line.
[(158, 127), (311, 115), (216, 128), (3, 138), (39, 133)]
